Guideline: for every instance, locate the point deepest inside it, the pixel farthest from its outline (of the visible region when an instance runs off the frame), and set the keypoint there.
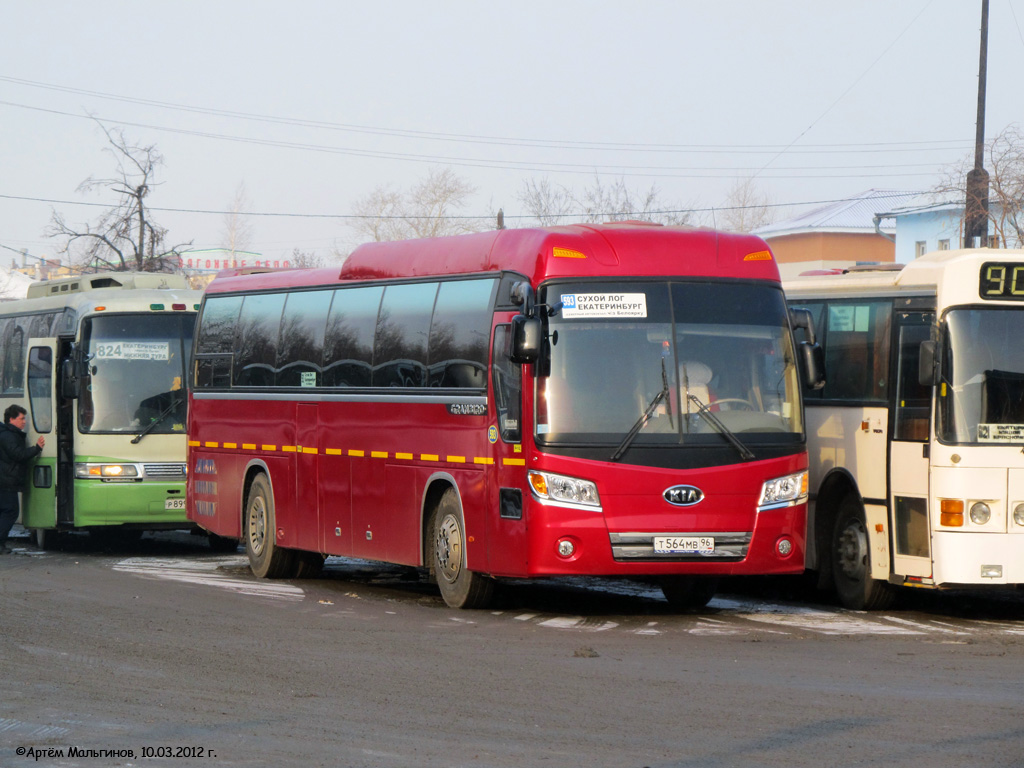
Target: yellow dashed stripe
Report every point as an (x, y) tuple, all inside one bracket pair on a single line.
[(434, 457)]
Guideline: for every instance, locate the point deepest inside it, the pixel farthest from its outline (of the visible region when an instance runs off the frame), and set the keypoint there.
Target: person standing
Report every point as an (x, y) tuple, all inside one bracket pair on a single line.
[(14, 458)]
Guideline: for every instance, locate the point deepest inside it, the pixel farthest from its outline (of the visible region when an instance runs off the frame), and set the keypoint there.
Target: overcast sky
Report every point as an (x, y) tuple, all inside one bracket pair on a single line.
[(312, 104)]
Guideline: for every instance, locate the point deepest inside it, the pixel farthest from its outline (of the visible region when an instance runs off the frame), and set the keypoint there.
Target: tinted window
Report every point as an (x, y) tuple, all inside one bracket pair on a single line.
[(217, 328), (459, 334), (13, 356), (403, 328), (302, 338), (259, 326), (348, 348), (857, 351), (508, 387)]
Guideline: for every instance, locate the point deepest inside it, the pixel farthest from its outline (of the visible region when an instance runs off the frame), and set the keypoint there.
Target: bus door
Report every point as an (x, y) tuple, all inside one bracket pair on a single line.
[(909, 450), (507, 535), (39, 508)]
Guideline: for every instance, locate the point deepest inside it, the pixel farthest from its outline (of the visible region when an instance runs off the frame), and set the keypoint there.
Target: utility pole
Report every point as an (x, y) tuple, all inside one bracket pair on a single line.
[(976, 213)]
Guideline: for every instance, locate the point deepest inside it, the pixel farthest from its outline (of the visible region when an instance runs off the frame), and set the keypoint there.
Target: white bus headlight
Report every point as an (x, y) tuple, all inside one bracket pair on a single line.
[(980, 513), (565, 489), (784, 490), (105, 471), (1018, 515)]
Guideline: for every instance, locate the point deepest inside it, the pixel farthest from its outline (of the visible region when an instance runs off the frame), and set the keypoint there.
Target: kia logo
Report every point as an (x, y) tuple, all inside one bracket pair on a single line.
[(683, 495)]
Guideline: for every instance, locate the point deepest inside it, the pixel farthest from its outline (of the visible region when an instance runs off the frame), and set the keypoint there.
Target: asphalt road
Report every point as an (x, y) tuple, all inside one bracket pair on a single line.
[(167, 654)]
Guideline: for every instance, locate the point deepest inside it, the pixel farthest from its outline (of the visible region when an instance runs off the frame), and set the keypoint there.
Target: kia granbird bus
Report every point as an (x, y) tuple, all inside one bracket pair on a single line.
[(916, 441), (615, 400), (100, 361)]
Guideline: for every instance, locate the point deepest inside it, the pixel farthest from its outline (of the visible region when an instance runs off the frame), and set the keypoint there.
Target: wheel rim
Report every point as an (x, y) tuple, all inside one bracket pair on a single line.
[(449, 548), (257, 525), (852, 550)]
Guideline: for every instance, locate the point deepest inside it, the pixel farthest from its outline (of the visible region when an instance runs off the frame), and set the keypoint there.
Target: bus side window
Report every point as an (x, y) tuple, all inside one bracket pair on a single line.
[(508, 386), (857, 351), (14, 357), (913, 400)]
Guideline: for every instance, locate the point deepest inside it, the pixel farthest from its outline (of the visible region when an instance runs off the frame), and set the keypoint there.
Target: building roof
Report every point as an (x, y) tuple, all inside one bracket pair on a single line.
[(851, 215)]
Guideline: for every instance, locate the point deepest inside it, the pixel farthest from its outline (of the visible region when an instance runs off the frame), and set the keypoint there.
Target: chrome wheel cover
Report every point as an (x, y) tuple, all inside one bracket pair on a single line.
[(448, 548)]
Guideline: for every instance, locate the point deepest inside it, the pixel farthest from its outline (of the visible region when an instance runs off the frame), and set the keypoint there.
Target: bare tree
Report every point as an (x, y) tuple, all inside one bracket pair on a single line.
[(598, 202), (747, 208), (1005, 164), (125, 236), (430, 208), (306, 259), (238, 228)]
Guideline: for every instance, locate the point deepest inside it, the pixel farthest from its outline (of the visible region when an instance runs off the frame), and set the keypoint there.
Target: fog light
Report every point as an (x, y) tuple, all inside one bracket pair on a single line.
[(784, 547), (991, 571), (1018, 514), (566, 548), (980, 513)]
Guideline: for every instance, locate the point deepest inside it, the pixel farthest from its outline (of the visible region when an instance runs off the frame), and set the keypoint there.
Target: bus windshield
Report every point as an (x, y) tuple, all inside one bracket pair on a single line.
[(982, 392), (716, 356), (135, 369)]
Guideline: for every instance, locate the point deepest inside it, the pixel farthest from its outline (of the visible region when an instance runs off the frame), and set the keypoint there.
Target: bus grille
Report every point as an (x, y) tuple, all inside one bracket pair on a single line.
[(632, 547), (168, 471)]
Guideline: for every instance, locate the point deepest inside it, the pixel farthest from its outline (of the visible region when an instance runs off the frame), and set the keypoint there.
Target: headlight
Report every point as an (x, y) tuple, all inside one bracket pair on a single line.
[(980, 513), (1018, 514), (108, 471), (570, 490), (783, 491)]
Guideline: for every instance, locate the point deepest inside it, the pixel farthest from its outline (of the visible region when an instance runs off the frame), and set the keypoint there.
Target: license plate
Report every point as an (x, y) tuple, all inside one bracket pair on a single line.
[(683, 545), (174, 504)]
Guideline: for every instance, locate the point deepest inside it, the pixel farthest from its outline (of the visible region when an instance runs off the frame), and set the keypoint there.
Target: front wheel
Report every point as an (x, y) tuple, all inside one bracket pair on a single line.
[(46, 538), (689, 593), (851, 562), (266, 559), (460, 587)]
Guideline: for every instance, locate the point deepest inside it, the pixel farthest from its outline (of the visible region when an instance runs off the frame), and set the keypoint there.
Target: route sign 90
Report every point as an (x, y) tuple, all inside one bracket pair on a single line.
[(1002, 280)]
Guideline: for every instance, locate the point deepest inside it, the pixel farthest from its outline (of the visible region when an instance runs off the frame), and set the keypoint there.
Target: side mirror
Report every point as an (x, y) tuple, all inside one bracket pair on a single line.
[(802, 318), (526, 339), (928, 370), (68, 380), (813, 357)]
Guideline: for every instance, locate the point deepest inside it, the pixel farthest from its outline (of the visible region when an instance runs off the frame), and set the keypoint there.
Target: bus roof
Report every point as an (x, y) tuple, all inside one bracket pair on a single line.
[(117, 290), (953, 273), (575, 250)]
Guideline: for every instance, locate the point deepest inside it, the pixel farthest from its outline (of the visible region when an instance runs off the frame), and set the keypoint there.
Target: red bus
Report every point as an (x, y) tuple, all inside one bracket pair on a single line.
[(614, 400)]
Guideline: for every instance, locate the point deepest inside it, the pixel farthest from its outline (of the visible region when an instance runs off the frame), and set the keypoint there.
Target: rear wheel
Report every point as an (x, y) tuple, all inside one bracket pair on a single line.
[(460, 587), (266, 559), (45, 538), (851, 562), (689, 593)]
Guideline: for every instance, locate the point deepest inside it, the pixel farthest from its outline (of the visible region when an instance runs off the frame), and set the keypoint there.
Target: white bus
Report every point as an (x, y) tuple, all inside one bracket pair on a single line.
[(99, 361), (916, 441)]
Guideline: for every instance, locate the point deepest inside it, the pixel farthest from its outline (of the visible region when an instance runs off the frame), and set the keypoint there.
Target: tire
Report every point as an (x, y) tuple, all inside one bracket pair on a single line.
[(46, 538), (224, 544), (689, 593), (266, 559), (460, 587), (851, 562)]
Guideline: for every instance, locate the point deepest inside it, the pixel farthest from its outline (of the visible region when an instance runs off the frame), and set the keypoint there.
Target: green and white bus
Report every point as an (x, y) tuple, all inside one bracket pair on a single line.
[(916, 441), (99, 361)]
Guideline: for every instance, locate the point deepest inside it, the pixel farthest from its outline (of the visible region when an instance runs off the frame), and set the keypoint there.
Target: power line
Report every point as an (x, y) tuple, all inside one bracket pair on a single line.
[(477, 138), (577, 214)]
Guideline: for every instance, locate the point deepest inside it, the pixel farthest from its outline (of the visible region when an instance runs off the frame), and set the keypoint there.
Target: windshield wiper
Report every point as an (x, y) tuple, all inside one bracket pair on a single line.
[(640, 423), (727, 433), (175, 402)]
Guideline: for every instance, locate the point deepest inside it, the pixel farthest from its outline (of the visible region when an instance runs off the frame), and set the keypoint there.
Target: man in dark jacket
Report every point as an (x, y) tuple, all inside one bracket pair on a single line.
[(14, 456)]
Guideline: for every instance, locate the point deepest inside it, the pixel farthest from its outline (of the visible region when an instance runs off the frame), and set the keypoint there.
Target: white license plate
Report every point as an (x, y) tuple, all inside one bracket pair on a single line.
[(683, 545), (174, 504)]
